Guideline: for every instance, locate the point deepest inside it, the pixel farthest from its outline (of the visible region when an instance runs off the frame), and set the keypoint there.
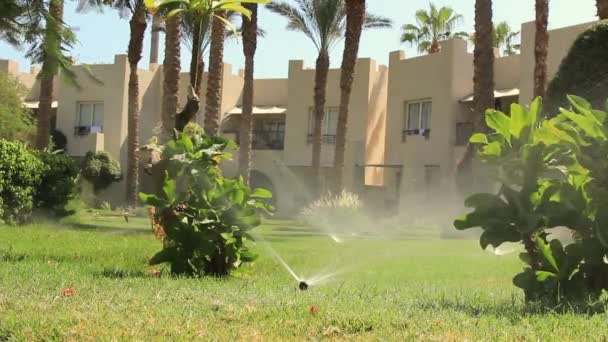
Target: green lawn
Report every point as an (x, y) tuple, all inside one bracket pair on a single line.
[(404, 288)]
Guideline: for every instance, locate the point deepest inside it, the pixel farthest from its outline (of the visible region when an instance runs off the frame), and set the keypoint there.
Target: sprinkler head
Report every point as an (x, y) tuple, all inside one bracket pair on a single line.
[(303, 286)]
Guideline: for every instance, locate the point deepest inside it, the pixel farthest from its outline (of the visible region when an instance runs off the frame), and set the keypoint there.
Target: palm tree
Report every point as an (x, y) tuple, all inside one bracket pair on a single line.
[(52, 41), (155, 38), (503, 39), (138, 25), (200, 10), (250, 29), (355, 18), (171, 71), (602, 9), (541, 44), (323, 21), (483, 79), (433, 26), (216, 71)]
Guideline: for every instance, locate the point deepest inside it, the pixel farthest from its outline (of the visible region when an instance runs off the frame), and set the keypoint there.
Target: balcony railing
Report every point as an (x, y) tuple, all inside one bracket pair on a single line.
[(424, 132), (329, 139), (264, 140), (86, 130)]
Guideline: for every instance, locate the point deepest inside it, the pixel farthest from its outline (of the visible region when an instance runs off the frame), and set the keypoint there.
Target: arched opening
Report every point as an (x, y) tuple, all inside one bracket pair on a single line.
[(260, 180)]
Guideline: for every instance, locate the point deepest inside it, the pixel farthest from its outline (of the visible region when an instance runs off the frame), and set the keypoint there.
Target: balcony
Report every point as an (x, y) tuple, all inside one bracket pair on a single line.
[(329, 139), (426, 133), (263, 140)]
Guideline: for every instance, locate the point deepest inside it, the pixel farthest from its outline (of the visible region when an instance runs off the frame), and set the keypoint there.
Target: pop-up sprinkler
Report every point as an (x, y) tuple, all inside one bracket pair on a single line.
[(303, 285)]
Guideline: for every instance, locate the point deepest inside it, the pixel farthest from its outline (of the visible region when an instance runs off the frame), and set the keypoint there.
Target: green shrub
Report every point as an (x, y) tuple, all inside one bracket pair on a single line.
[(16, 123), (20, 172), (583, 72), (59, 140), (204, 217), (552, 173), (334, 211), (58, 182), (101, 170)]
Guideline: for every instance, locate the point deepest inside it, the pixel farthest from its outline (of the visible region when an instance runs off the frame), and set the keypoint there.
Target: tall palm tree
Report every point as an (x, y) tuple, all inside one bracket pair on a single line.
[(355, 18), (171, 71), (200, 10), (323, 21), (602, 9), (137, 30), (53, 38), (250, 29), (433, 26), (541, 44), (503, 39), (155, 38), (483, 79), (213, 96), (138, 25)]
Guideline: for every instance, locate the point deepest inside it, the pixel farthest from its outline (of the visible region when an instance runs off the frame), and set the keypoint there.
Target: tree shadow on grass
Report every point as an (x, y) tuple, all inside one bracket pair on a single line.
[(117, 273), (514, 310), (106, 229)]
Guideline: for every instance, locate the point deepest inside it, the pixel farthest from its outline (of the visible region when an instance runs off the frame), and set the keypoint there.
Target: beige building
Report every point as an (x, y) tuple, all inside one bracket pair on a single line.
[(408, 124)]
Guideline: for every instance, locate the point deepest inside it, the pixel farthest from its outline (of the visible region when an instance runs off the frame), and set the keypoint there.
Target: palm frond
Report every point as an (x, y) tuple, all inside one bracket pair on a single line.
[(375, 21)]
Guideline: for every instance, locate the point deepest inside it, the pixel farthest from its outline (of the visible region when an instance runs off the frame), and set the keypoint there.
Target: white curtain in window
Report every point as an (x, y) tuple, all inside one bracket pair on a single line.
[(413, 118), (98, 115), (85, 114), (331, 119), (425, 119)]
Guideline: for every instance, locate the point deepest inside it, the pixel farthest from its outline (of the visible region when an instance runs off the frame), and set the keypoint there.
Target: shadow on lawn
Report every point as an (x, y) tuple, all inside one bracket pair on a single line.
[(117, 273), (514, 310), (106, 229)]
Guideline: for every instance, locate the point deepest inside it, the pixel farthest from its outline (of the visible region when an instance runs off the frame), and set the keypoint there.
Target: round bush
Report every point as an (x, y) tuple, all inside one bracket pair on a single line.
[(583, 72), (101, 170), (20, 175), (58, 181)]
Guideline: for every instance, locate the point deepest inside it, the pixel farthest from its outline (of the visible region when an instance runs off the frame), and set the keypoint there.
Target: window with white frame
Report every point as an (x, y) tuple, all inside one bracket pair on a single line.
[(89, 118), (329, 128), (417, 118)]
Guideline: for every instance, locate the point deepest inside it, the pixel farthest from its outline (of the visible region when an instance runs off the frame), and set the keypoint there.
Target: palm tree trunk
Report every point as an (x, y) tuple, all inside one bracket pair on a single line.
[(245, 132), (355, 14), (483, 79), (602, 9), (193, 105), (49, 71), (435, 47), (171, 70), (154, 39), (136, 44), (199, 74), (322, 69), (216, 72), (540, 47)]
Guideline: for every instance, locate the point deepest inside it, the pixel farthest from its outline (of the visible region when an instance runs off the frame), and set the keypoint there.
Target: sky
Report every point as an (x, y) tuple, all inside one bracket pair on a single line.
[(103, 35)]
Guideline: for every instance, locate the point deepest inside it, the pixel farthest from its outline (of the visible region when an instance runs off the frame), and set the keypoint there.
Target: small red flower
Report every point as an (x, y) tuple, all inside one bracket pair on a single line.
[(155, 272), (313, 309), (69, 292)]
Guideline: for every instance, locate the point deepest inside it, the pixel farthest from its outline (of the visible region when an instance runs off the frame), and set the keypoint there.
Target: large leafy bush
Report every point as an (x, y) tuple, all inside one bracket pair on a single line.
[(583, 72), (58, 182), (203, 218), (20, 172), (15, 121), (101, 170), (552, 173)]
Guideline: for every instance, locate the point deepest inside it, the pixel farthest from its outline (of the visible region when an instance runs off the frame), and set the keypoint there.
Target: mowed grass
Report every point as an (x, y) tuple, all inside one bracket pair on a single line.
[(399, 288)]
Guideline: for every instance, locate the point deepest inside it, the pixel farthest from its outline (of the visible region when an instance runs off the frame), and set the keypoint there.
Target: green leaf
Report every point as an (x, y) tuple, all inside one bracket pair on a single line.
[(547, 253), (479, 138), (499, 122), (519, 120), (261, 193), (169, 189), (493, 149), (151, 200), (543, 276), (166, 255)]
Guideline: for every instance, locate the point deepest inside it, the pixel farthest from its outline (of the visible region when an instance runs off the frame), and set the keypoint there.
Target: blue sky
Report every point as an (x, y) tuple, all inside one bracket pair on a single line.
[(101, 36)]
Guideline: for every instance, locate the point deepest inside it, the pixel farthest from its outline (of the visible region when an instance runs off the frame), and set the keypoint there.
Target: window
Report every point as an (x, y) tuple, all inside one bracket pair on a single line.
[(329, 128), (268, 134), (417, 119), (89, 118), (464, 130)]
